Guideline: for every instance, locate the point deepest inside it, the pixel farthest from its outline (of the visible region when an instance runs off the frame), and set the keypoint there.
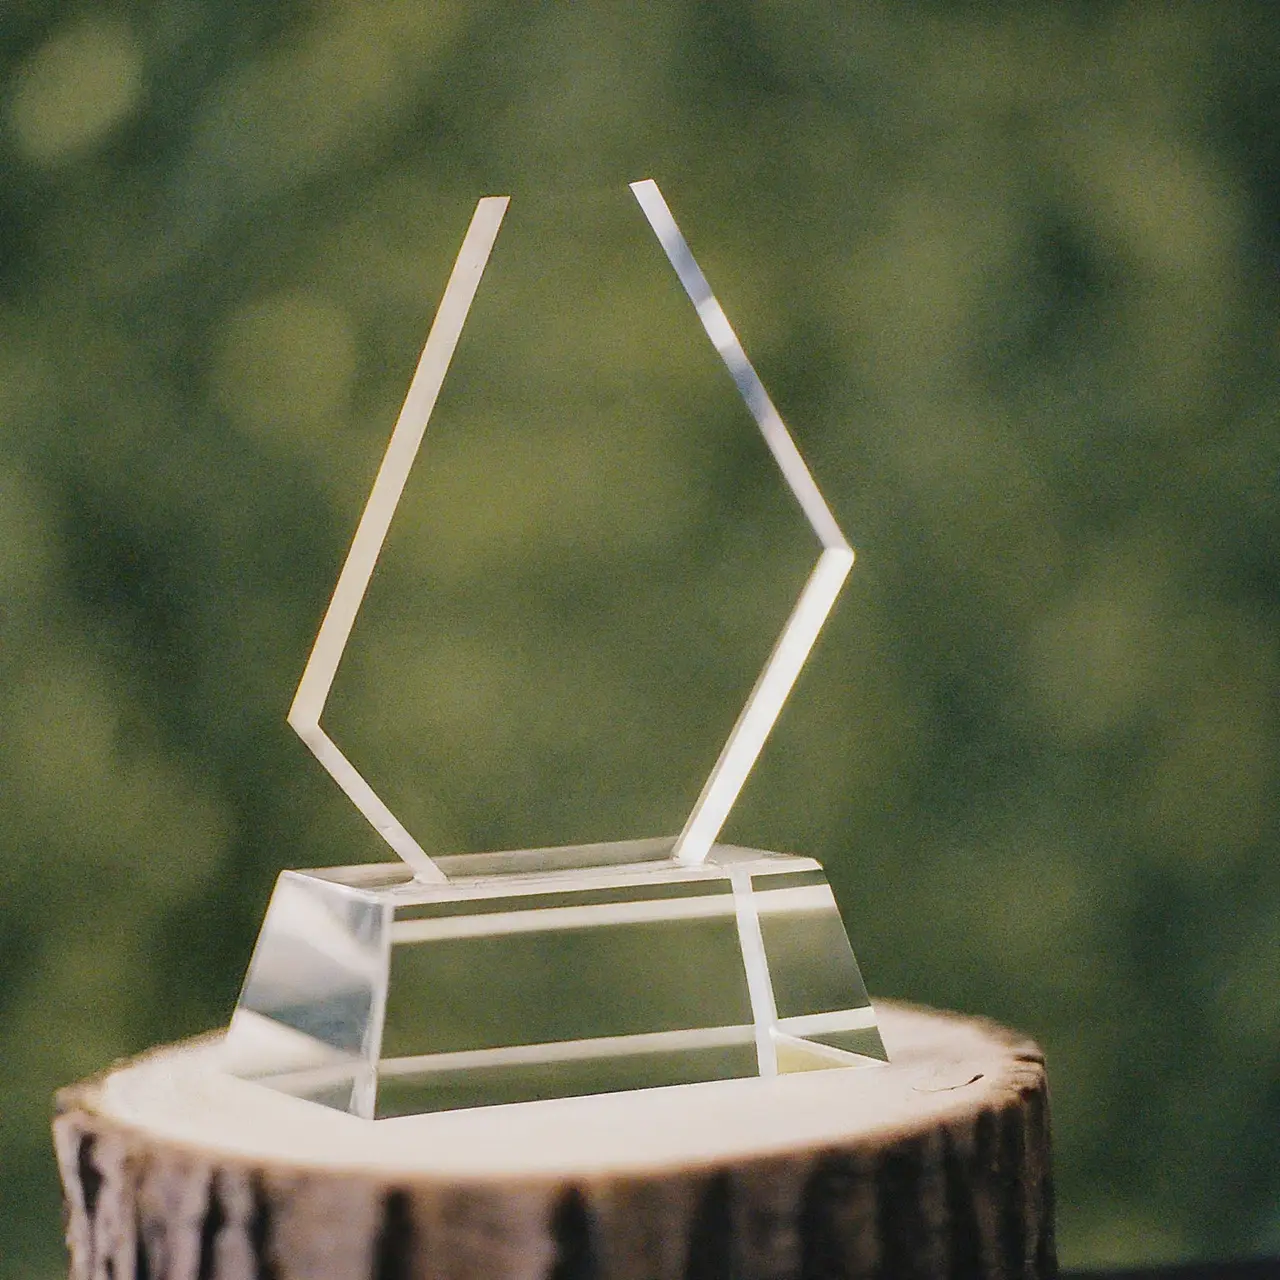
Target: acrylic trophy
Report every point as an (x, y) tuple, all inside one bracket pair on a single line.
[(371, 988)]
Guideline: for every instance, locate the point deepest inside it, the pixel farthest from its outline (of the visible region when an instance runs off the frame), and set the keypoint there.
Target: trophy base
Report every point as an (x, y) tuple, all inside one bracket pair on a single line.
[(547, 973)]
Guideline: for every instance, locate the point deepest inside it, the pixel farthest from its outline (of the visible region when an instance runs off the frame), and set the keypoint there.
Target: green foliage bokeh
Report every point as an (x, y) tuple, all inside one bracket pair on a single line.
[(1010, 272)]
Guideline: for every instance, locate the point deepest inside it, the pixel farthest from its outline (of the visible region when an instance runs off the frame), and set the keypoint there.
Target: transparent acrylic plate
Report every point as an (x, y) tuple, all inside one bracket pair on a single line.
[(547, 973), (439, 983)]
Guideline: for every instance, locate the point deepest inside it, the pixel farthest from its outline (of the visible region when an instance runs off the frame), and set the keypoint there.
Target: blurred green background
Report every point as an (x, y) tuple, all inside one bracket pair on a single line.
[(1010, 272)]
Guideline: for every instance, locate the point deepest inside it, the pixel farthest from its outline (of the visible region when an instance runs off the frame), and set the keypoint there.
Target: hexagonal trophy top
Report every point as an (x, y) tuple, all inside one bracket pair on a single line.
[(779, 674)]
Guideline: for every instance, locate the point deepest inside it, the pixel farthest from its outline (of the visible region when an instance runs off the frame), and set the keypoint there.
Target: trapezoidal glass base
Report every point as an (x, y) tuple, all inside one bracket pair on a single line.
[(545, 973)]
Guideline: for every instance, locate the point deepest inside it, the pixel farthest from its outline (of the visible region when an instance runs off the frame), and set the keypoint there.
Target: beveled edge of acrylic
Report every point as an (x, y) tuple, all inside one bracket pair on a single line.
[(563, 866)]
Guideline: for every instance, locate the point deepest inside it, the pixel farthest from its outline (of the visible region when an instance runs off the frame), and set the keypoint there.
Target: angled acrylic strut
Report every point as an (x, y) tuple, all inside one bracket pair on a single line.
[(789, 653), (353, 581), (828, 575)]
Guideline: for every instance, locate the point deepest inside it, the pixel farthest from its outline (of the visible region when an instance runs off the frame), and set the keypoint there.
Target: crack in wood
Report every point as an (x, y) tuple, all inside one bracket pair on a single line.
[(572, 1234), (210, 1227), (260, 1233), (710, 1254), (90, 1177), (393, 1253)]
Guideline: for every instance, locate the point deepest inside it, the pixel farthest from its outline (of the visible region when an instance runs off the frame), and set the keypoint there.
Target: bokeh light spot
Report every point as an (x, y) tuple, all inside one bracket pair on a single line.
[(74, 90)]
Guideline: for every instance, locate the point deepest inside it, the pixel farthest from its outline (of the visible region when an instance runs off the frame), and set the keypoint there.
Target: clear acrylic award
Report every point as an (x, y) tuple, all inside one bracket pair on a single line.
[(438, 982)]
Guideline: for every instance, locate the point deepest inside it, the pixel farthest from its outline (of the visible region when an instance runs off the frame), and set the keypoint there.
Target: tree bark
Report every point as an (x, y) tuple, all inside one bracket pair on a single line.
[(937, 1165)]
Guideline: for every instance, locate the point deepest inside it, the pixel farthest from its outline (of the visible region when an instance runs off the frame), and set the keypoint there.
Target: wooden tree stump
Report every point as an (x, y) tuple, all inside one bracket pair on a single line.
[(937, 1165)]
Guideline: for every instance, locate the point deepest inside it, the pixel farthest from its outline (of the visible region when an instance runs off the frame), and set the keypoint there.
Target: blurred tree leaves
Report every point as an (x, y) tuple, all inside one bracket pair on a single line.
[(1010, 272)]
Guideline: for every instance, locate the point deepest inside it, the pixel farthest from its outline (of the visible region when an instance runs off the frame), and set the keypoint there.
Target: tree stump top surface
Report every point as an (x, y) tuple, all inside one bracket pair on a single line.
[(945, 1070)]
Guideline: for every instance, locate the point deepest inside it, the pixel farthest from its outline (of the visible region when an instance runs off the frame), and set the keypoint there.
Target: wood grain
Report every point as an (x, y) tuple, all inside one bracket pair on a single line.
[(937, 1165)]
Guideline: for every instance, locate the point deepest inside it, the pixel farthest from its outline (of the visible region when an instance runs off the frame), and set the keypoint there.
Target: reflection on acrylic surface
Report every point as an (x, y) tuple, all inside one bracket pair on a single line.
[(377, 994)]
